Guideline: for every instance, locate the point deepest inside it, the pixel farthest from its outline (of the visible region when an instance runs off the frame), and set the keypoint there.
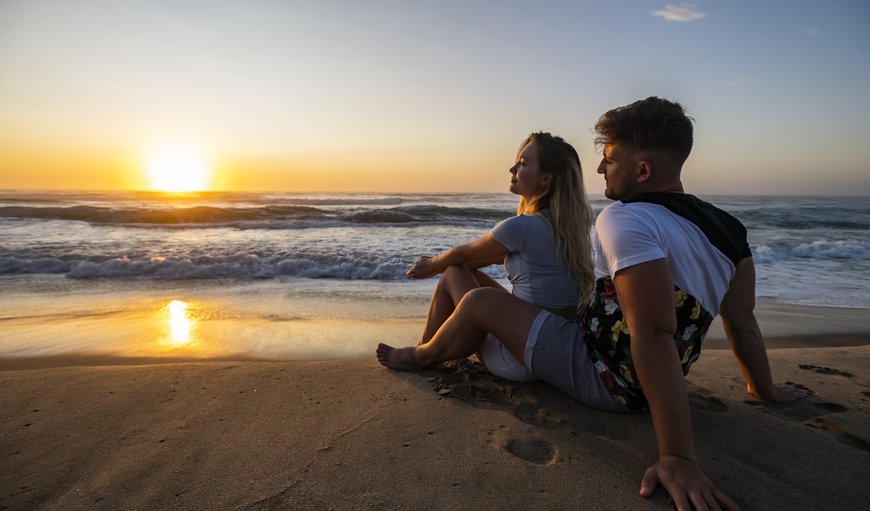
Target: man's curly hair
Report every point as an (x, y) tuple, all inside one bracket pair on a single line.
[(652, 123)]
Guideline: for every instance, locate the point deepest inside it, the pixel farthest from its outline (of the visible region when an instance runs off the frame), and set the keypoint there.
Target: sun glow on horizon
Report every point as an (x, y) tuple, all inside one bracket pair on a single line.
[(175, 167)]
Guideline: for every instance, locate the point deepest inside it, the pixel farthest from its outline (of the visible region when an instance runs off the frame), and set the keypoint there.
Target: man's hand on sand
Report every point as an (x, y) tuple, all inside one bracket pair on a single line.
[(687, 485), (781, 393)]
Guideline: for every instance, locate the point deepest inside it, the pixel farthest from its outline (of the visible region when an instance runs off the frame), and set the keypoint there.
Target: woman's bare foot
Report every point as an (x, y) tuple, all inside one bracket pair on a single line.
[(404, 359)]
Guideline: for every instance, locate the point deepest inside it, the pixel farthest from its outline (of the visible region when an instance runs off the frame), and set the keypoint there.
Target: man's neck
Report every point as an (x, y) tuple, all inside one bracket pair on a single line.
[(673, 187), (670, 188)]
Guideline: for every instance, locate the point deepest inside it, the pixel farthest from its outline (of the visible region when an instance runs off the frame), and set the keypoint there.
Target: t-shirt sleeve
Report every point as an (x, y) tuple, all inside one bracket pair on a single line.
[(625, 239), (511, 233)]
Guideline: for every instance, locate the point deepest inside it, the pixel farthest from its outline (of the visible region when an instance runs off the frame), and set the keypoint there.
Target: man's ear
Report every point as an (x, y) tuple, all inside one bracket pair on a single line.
[(644, 171)]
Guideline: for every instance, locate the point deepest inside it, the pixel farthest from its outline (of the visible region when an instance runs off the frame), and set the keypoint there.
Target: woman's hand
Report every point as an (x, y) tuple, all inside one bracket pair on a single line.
[(686, 483), (780, 393), (422, 269)]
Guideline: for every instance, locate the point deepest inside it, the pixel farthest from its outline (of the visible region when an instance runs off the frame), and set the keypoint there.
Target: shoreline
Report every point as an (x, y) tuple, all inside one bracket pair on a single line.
[(809, 341), (270, 322)]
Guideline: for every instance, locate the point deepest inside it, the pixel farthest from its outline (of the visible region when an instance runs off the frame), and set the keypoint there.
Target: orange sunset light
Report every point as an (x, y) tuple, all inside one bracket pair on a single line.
[(177, 167)]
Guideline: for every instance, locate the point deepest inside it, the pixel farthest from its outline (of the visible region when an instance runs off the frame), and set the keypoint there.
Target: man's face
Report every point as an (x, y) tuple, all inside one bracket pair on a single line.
[(619, 166)]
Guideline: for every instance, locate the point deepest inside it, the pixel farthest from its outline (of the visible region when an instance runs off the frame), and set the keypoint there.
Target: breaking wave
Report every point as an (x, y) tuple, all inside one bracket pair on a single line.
[(819, 249), (284, 216), (242, 266)]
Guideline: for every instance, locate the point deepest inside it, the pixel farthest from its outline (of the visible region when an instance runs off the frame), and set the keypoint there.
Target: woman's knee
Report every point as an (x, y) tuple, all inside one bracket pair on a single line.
[(456, 269), (482, 301), (447, 275), (457, 280), (497, 311)]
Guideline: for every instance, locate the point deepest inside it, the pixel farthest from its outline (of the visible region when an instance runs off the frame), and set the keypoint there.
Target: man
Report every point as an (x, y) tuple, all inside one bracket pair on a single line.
[(656, 239), (666, 262)]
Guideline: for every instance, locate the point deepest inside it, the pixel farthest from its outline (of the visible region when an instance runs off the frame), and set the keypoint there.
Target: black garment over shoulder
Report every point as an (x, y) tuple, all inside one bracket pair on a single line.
[(725, 232)]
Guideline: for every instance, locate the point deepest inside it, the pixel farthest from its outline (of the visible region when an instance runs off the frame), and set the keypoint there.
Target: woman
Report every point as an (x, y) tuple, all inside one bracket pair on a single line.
[(546, 250)]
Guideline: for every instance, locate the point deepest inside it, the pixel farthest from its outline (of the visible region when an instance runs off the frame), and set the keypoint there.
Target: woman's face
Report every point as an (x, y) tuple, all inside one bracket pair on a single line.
[(527, 179)]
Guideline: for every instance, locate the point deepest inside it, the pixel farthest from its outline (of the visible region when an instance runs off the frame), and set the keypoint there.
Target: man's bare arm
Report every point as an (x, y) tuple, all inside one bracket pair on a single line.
[(744, 336), (646, 297)]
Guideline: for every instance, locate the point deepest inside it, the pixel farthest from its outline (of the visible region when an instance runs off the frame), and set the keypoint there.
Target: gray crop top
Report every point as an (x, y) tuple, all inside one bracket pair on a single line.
[(535, 265)]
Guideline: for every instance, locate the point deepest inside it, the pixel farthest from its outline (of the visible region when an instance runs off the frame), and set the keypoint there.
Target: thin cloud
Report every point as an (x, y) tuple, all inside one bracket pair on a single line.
[(682, 13), (812, 31)]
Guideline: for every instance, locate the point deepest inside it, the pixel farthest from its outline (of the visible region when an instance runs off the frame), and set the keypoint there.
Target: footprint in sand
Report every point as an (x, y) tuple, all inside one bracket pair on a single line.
[(834, 372), (799, 410), (825, 370), (835, 431), (539, 452), (470, 382), (832, 407), (709, 403), (810, 413), (703, 398)]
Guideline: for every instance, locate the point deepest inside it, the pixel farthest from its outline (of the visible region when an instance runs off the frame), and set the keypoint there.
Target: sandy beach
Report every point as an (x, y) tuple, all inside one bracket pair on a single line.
[(147, 433)]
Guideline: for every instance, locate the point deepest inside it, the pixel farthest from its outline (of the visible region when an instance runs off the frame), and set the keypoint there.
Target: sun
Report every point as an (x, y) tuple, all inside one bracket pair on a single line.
[(176, 167)]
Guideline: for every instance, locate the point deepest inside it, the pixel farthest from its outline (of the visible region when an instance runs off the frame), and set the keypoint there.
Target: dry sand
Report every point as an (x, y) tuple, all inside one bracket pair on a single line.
[(353, 435)]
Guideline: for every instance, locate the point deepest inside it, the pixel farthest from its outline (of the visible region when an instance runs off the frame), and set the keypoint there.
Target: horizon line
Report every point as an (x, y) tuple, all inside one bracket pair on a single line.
[(373, 192)]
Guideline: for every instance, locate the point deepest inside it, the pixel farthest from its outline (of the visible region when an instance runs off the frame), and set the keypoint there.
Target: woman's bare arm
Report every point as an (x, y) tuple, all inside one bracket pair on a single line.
[(483, 263), (485, 248)]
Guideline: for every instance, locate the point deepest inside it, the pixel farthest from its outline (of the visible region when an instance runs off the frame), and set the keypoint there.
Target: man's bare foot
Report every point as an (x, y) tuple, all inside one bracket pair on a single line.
[(404, 359)]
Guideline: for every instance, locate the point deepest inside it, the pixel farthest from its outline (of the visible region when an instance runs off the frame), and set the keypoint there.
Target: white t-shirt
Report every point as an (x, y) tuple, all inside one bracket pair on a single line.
[(628, 234)]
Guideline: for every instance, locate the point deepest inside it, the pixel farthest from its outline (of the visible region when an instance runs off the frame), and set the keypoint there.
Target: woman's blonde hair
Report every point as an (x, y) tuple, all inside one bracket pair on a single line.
[(565, 197)]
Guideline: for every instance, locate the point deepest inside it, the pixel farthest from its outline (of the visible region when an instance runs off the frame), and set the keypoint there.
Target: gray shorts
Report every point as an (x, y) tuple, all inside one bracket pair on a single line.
[(556, 353)]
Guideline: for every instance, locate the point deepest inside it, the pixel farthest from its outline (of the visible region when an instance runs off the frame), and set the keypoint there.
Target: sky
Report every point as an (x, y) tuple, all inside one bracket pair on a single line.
[(425, 96)]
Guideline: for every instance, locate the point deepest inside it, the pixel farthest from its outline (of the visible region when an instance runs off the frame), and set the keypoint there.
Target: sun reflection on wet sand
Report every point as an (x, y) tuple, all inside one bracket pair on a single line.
[(179, 324)]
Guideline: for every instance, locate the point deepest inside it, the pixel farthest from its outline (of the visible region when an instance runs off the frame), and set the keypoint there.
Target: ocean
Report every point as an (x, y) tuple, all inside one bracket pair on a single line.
[(289, 261)]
